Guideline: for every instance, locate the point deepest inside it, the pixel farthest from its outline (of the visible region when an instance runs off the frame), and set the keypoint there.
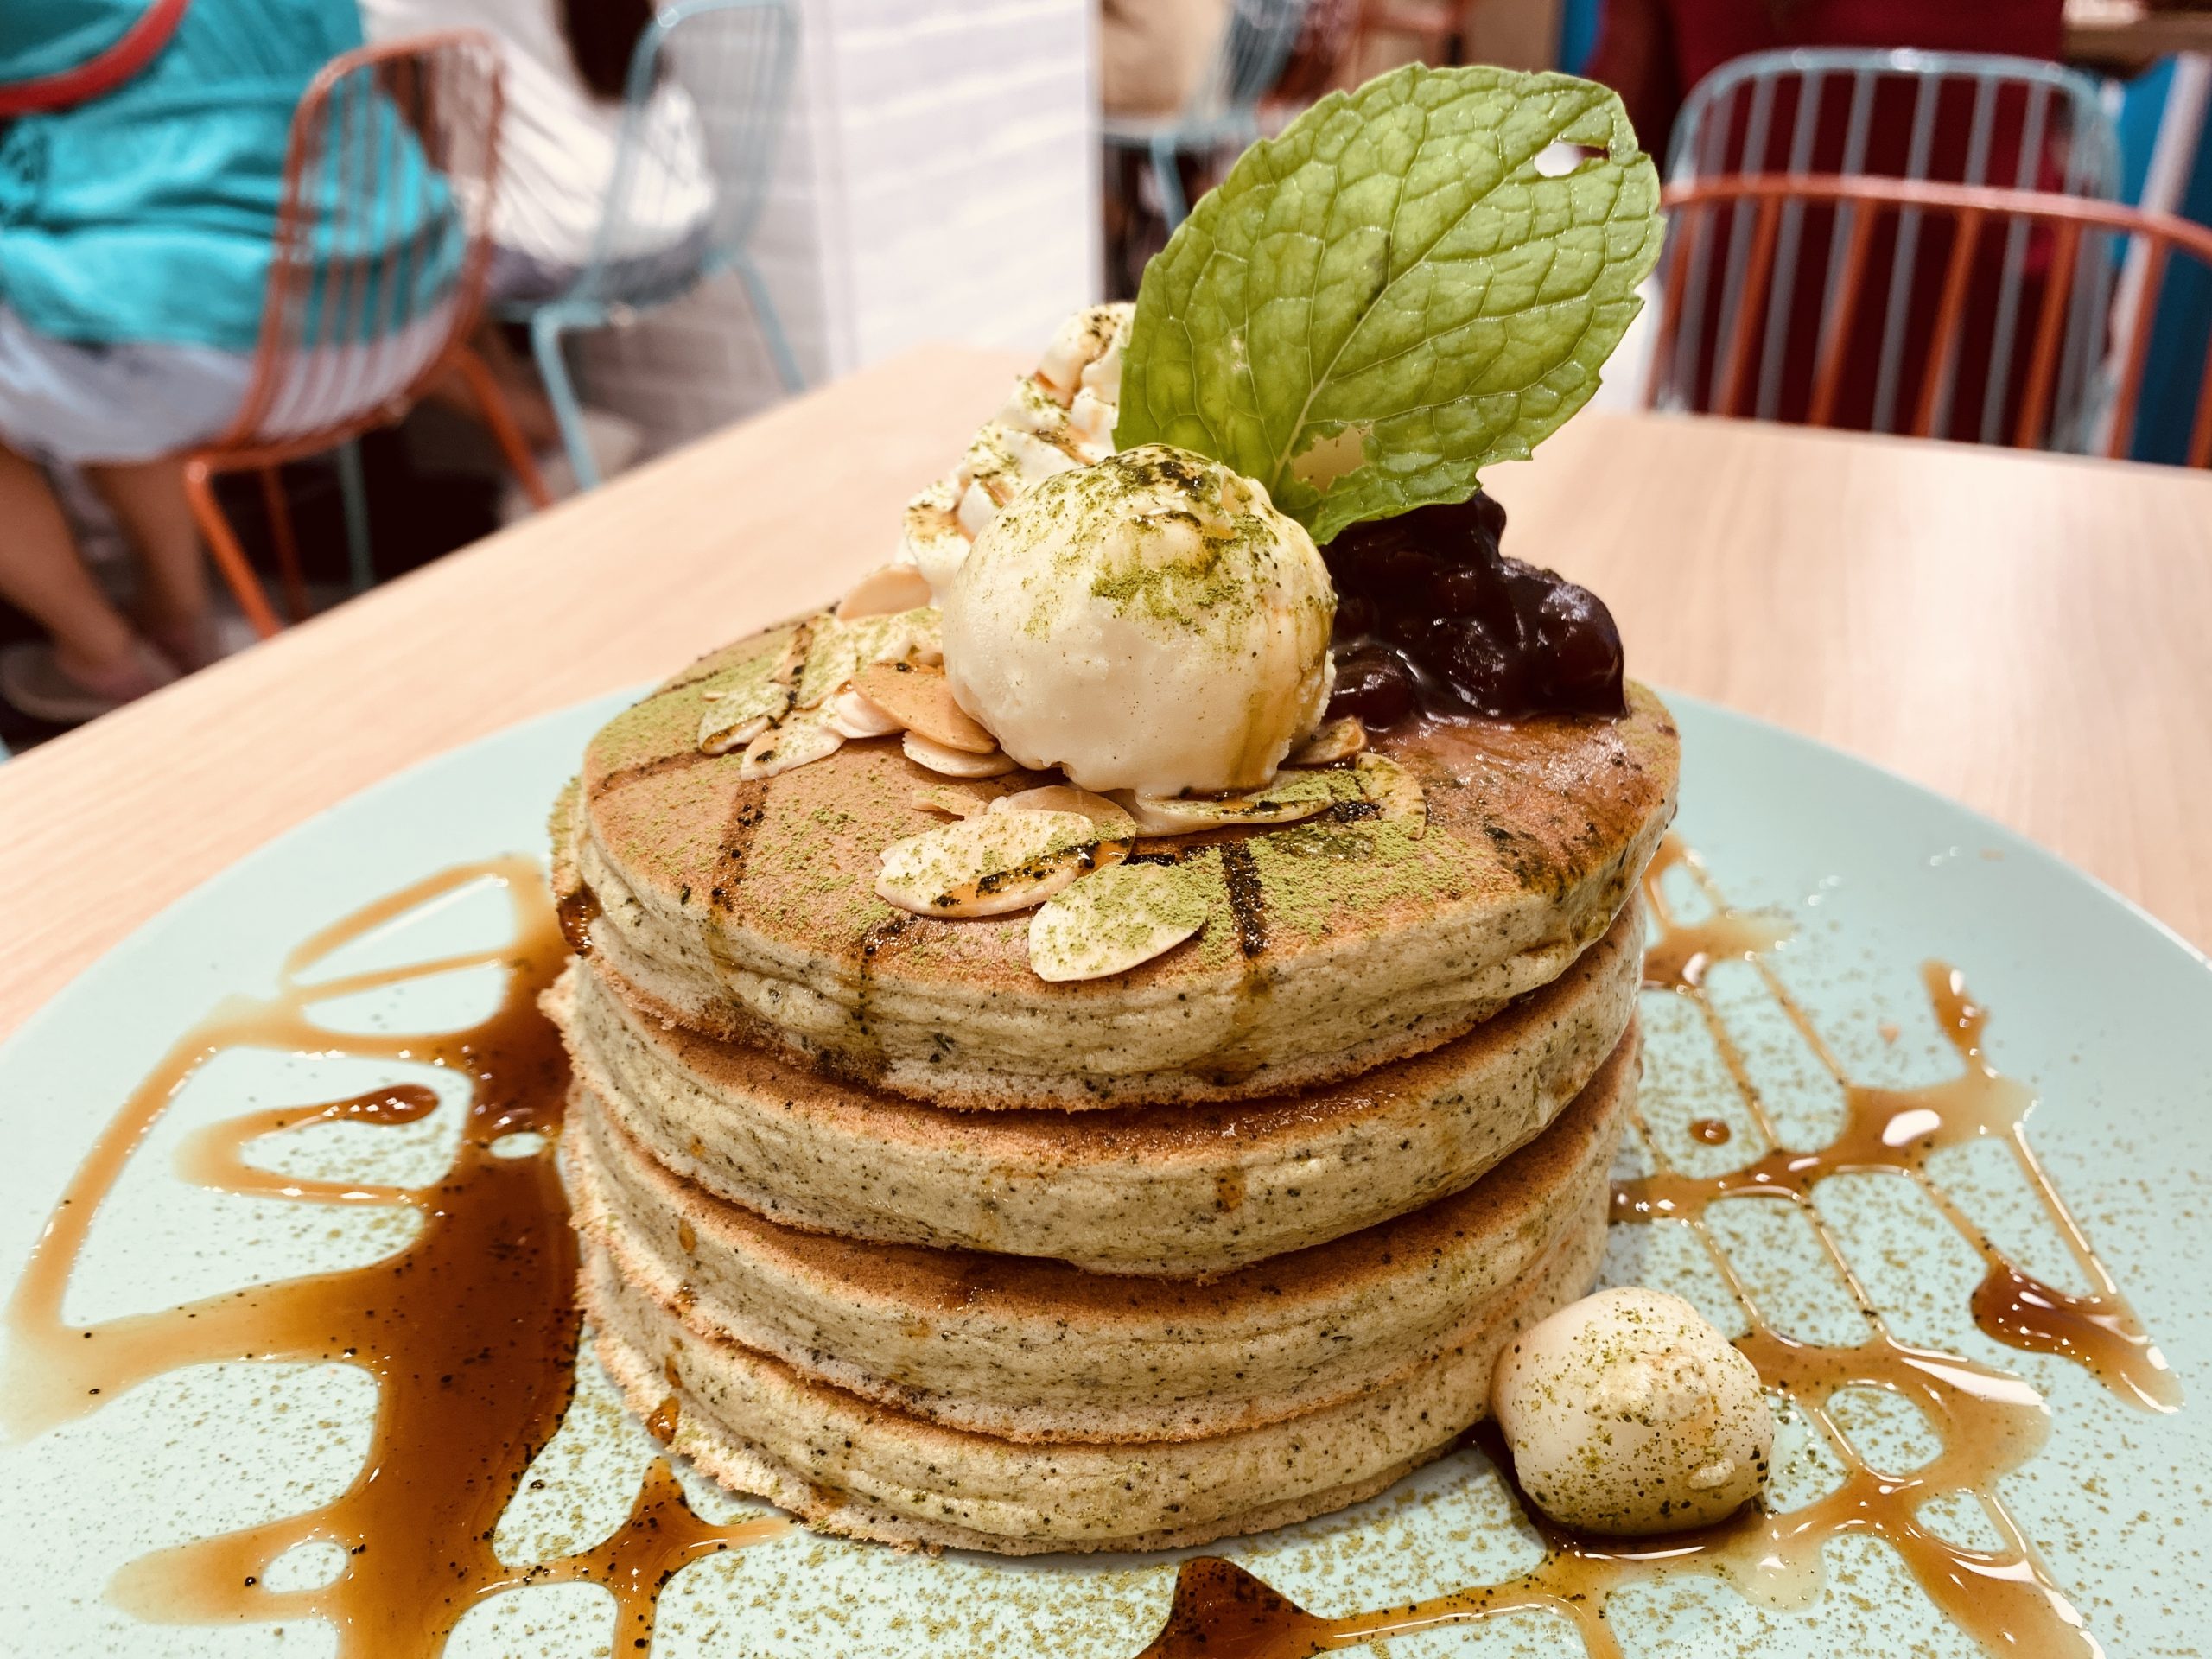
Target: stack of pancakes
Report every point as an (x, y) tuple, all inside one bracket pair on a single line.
[(883, 1227)]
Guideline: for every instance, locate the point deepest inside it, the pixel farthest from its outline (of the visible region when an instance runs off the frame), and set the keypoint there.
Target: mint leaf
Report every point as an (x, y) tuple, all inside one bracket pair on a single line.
[(1392, 294)]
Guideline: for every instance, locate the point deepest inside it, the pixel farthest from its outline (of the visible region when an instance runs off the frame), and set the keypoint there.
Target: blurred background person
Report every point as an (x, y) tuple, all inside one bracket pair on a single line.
[(1152, 53), (1209, 74), (1653, 52), (565, 67), (142, 159), (1152, 56)]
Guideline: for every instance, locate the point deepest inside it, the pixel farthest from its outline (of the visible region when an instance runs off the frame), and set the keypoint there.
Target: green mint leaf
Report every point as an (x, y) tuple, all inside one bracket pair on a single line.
[(1393, 294)]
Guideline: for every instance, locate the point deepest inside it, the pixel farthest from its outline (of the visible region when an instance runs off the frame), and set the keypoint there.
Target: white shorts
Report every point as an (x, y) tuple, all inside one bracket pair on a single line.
[(75, 403)]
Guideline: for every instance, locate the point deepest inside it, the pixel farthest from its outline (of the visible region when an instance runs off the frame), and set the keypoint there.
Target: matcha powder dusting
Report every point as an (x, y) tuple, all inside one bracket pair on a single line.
[(1115, 919)]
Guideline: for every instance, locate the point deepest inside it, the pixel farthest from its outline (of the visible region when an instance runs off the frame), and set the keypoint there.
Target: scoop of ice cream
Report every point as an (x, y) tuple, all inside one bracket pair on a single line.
[(1628, 1414), (1150, 622)]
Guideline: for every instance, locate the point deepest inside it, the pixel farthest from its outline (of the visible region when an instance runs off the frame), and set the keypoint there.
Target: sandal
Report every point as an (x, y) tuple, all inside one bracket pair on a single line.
[(32, 679), (200, 644)]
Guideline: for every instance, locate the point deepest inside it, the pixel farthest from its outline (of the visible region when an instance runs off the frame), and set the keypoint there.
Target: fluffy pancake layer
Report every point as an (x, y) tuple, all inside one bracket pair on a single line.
[(848, 1466), (1178, 1190), (1039, 1351), (746, 910), (881, 1225)]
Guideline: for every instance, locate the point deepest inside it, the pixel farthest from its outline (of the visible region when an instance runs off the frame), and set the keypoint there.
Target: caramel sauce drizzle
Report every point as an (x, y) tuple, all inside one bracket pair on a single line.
[(577, 913), (1895, 1131), (1988, 1422), (470, 1329)]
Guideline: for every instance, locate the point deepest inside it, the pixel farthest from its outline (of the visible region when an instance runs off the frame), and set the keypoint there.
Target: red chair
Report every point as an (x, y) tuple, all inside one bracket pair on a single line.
[(2069, 376), (383, 235)]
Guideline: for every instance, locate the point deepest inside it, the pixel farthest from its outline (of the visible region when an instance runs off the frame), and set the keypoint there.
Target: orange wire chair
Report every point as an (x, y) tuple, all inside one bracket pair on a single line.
[(382, 235), (1958, 225)]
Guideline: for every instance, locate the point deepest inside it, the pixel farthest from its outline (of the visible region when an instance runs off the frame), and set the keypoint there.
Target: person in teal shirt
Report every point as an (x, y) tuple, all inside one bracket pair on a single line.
[(142, 157)]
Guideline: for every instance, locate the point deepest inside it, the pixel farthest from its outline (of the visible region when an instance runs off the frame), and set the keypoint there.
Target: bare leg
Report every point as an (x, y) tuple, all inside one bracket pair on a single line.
[(42, 575), (148, 499), (526, 399), (514, 376)]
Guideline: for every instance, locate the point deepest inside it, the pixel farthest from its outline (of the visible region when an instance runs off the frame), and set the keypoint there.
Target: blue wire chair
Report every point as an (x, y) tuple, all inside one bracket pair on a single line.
[(1728, 127), (709, 83), (1256, 41)]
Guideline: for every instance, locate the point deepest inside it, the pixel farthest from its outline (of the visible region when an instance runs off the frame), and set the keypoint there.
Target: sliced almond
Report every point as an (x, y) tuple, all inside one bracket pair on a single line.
[(920, 699), (1332, 740), (954, 802), (841, 650), (829, 665), (857, 717), (955, 763), (1080, 342), (734, 722), (1091, 426), (1035, 458), (1102, 377), (925, 637), (885, 592), (1114, 919), (1114, 822), (743, 710), (795, 648), (932, 536), (1292, 796), (989, 864), (797, 740), (991, 465), (1395, 791), (1032, 408)]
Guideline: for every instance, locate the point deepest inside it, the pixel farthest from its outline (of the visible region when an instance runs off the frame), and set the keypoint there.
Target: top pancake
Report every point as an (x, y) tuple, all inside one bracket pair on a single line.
[(747, 909)]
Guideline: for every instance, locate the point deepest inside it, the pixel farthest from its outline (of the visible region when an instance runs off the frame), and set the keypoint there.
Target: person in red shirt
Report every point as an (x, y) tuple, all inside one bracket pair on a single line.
[(1655, 51)]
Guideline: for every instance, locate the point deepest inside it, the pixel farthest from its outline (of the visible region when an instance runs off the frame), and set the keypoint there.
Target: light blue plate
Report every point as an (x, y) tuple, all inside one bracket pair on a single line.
[(2104, 1013)]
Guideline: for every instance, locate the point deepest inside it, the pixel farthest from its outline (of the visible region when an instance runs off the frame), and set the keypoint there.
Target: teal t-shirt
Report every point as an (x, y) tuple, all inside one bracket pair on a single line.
[(42, 38), (149, 213)]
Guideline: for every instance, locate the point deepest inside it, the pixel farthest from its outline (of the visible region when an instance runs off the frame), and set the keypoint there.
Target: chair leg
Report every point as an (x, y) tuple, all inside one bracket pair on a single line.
[(492, 402), (1168, 176), (288, 549), (360, 551), (560, 393), (230, 557), (771, 325)]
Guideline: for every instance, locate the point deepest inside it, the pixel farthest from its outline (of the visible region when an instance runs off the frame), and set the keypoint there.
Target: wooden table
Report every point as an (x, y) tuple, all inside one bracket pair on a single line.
[(2025, 633)]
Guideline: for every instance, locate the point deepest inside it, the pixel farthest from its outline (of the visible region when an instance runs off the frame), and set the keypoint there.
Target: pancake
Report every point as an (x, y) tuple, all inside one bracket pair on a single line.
[(1183, 1190), (1039, 1351), (847, 1465), (746, 910)]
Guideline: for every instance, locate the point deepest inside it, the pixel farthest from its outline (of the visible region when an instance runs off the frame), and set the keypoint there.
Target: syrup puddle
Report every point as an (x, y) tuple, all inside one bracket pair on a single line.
[(470, 1329), (1988, 1423), (470, 1332)]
